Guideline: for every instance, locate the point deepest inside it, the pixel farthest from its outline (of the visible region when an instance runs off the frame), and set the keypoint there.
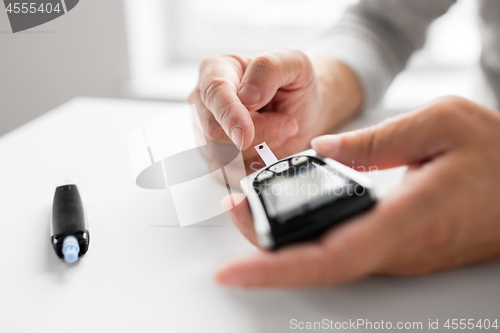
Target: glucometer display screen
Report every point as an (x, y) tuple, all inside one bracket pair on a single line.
[(310, 186)]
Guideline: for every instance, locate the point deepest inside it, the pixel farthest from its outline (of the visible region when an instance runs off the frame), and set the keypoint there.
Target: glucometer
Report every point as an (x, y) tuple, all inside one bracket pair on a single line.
[(301, 196), (70, 236)]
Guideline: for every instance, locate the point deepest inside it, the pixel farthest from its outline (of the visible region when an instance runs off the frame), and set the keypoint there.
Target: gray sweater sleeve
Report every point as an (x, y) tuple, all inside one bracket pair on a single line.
[(375, 39)]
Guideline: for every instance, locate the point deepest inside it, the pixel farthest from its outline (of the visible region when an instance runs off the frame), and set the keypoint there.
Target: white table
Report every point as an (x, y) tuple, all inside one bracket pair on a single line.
[(142, 275)]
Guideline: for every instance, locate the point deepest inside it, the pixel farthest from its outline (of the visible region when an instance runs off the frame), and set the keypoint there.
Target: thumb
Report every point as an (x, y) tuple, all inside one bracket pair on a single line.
[(270, 71), (408, 139)]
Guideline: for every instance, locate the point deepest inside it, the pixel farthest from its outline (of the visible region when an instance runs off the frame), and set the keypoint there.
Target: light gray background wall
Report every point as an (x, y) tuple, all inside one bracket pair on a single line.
[(82, 53)]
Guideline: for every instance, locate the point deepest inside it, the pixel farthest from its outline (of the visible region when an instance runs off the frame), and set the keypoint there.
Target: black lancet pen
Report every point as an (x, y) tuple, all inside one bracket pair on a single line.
[(68, 223)]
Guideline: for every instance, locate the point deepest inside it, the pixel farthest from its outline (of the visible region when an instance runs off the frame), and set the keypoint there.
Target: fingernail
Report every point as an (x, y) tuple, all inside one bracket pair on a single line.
[(290, 128), (250, 96), (326, 144), (237, 135)]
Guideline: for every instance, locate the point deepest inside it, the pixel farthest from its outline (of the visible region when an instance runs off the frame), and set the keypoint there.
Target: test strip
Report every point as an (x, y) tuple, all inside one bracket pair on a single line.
[(265, 153)]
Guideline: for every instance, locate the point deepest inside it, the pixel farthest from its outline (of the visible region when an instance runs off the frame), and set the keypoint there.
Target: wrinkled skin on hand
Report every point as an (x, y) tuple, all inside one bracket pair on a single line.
[(280, 97)]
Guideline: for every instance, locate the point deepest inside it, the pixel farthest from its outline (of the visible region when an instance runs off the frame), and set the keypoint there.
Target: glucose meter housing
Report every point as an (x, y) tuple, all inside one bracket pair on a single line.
[(302, 196)]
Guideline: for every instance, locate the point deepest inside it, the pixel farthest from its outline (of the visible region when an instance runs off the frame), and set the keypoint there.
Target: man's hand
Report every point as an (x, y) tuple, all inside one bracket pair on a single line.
[(445, 214), (280, 97)]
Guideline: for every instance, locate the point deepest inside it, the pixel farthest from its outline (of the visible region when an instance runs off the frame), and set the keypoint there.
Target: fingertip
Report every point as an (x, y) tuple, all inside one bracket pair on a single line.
[(231, 201), (227, 203), (228, 275), (222, 277), (327, 145), (239, 198), (249, 137), (243, 272), (242, 138), (226, 280)]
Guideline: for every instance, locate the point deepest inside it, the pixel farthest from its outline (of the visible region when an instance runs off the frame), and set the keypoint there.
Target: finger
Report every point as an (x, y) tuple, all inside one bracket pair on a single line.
[(280, 68), (241, 215), (219, 79), (210, 128), (273, 126), (269, 126), (298, 265), (408, 139)]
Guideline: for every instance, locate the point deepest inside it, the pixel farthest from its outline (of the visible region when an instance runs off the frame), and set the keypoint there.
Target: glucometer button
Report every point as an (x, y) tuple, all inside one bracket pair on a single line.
[(280, 167), (264, 175), (299, 160)]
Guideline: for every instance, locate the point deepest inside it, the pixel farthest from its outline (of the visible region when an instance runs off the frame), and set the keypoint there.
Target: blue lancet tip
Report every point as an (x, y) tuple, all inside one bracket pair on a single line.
[(70, 249)]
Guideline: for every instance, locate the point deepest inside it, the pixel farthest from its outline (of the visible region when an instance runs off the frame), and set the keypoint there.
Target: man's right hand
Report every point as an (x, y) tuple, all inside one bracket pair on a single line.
[(445, 214), (278, 97)]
